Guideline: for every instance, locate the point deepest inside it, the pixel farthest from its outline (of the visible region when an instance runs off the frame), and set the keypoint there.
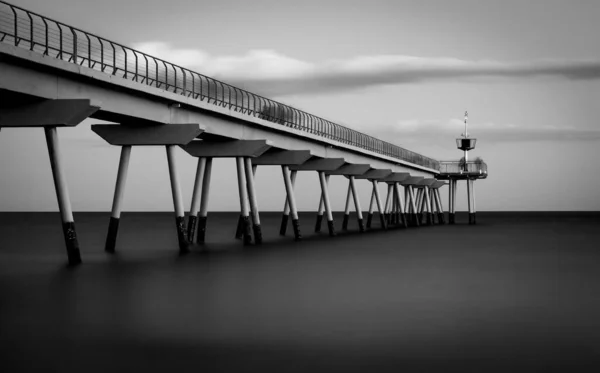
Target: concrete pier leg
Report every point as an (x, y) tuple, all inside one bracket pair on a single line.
[(394, 207), (196, 193), (431, 206), (359, 215), (347, 209), (289, 188), (400, 206), (177, 200), (244, 205), (286, 207), (387, 205), (474, 203), (450, 216), (420, 201), (397, 213), (471, 196), (370, 214), (440, 208), (203, 213), (62, 195), (379, 207), (253, 201), (324, 189), (454, 189), (411, 195), (319, 214), (113, 226)]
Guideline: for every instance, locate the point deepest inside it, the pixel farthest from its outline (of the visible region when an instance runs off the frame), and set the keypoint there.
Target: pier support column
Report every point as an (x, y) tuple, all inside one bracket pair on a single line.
[(62, 195), (440, 207), (113, 226), (454, 189), (379, 207), (286, 206), (177, 200), (319, 214), (203, 213), (429, 213), (400, 206), (432, 204), (324, 189), (471, 197), (357, 207), (289, 187), (413, 204), (244, 206), (347, 209), (370, 214), (196, 193), (253, 201), (387, 206)]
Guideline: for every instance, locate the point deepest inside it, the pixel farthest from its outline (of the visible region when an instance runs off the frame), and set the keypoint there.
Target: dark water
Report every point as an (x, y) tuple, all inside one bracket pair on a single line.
[(517, 292)]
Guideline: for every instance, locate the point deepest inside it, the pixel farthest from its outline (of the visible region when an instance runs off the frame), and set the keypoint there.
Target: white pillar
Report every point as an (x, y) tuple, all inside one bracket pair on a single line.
[(324, 190), (177, 199), (387, 204), (371, 203), (113, 226), (286, 206), (379, 207), (413, 204), (253, 200), (203, 213), (196, 193), (400, 205), (289, 187), (357, 207), (347, 208), (62, 195), (244, 206)]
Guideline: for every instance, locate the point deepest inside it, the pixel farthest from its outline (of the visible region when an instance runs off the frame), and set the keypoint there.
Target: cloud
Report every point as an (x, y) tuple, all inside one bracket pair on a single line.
[(416, 130), (271, 73)]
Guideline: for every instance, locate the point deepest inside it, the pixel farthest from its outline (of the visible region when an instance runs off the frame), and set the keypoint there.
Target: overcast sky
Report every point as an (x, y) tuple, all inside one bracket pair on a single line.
[(528, 72)]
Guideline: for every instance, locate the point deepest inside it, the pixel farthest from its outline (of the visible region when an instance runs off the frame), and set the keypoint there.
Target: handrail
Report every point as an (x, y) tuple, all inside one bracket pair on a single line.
[(459, 167), (29, 30)]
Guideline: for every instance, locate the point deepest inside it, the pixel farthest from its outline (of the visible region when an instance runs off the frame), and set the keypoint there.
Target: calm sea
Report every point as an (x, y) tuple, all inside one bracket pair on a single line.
[(517, 292)]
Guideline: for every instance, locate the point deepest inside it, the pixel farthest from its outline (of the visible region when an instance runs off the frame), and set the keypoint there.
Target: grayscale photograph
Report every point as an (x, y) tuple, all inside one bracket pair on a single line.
[(299, 186)]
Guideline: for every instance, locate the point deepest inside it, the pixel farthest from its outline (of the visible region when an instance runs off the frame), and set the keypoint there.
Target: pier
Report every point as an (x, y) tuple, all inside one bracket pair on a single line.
[(53, 75)]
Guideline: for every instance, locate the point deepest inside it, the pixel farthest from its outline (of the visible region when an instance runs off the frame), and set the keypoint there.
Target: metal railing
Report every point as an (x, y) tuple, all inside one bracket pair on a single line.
[(459, 167), (43, 35)]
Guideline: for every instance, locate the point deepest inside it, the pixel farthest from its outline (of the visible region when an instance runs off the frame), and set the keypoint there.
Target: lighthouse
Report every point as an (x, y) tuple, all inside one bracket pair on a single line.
[(464, 169)]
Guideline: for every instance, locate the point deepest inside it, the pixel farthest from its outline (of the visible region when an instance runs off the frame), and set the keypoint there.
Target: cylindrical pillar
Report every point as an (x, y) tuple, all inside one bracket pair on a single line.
[(357, 207), (440, 207), (370, 215), (177, 200), (62, 195), (347, 208), (196, 193), (379, 207), (387, 204), (324, 190), (253, 201), (289, 187), (286, 207), (400, 206), (413, 204), (203, 213), (450, 202), (320, 214), (244, 206), (113, 226)]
